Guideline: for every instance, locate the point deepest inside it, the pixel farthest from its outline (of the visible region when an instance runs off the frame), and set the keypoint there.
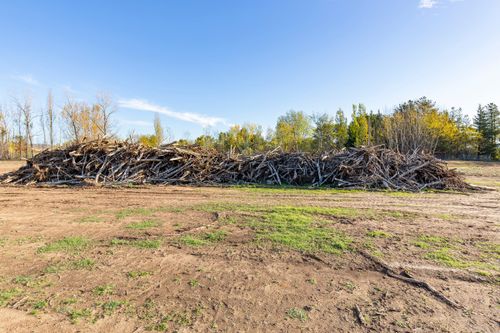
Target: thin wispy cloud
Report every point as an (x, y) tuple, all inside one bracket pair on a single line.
[(26, 78), (142, 105), (427, 4), (136, 123)]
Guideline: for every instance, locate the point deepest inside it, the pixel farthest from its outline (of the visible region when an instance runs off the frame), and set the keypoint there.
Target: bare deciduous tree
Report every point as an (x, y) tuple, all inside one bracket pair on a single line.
[(106, 108), (50, 118), (25, 119)]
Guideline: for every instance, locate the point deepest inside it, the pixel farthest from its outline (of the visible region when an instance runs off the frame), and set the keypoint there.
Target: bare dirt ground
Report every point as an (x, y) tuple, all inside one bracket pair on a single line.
[(193, 259)]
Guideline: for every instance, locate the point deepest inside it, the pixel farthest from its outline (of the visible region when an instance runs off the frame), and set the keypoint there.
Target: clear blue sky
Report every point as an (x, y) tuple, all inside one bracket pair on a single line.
[(222, 62)]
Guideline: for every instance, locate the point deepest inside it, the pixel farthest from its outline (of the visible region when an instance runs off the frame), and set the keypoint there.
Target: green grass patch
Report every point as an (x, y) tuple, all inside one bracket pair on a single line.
[(203, 239), (7, 295), (104, 290), (83, 264), (427, 241), (445, 257), (299, 231), (135, 212), (296, 313), (138, 243), (143, 225), (68, 244), (379, 234)]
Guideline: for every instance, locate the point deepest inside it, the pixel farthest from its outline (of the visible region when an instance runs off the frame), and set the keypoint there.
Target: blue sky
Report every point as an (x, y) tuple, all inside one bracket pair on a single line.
[(207, 64)]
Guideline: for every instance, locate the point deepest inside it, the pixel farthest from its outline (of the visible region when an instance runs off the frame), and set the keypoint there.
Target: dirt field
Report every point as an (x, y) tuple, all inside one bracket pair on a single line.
[(191, 259)]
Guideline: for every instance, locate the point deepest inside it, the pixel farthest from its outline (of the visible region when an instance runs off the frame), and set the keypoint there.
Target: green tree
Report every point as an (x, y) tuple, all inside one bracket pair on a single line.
[(341, 129), (324, 135), (358, 128), (293, 130)]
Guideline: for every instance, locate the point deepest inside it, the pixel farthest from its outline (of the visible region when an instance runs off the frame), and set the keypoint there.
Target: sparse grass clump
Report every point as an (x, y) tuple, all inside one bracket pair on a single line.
[(138, 274), (83, 264), (296, 313), (23, 280), (193, 283), (91, 219), (143, 225), (7, 295), (379, 234), (134, 212), (68, 244), (112, 306), (76, 314)]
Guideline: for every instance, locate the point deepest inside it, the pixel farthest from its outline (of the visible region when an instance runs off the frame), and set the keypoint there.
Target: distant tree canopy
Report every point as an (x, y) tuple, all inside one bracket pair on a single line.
[(413, 125)]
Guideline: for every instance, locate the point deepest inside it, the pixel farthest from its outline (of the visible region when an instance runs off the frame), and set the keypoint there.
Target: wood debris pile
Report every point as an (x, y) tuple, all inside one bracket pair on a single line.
[(104, 162)]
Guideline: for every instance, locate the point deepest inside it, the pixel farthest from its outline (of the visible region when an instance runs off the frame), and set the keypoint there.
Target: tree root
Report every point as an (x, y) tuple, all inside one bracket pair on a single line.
[(405, 277)]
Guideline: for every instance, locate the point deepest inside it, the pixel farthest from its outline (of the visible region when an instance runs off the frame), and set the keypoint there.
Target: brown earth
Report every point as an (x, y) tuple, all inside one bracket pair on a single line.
[(198, 259)]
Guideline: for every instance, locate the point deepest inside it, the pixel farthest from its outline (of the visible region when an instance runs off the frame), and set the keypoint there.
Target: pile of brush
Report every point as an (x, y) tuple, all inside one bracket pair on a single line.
[(105, 162)]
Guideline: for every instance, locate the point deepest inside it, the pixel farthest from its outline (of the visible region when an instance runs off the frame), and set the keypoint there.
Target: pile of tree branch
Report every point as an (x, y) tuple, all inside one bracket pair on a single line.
[(104, 162)]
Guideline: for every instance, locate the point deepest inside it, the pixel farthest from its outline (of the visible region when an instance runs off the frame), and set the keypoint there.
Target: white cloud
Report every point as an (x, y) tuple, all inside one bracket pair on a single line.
[(138, 104), (26, 78)]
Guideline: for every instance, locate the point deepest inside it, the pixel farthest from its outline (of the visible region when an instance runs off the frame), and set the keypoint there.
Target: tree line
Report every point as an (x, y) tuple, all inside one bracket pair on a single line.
[(413, 125)]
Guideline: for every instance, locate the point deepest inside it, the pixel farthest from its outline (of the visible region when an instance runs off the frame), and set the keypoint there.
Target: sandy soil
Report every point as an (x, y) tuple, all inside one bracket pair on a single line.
[(193, 259)]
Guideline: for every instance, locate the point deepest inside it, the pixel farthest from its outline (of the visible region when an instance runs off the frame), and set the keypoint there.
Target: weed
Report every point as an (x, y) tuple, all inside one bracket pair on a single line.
[(103, 290), (68, 244), (193, 283), (349, 285), (312, 281), (296, 313), (138, 274), (143, 225), (112, 306), (40, 305), (74, 315)]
